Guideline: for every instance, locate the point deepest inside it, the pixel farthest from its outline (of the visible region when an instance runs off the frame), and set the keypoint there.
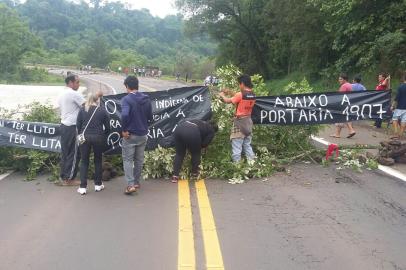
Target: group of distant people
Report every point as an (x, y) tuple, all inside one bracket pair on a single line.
[(85, 117), (398, 106), (86, 68), (142, 72), (211, 81)]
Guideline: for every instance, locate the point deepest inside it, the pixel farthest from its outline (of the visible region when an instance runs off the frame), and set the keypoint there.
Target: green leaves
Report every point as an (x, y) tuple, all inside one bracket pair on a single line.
[(96, 53), (16, 40), (366, 33)]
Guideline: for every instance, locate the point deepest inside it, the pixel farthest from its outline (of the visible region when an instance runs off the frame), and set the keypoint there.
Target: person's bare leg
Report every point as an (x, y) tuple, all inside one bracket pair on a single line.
[(337, 133), (350, 129), (395, 125), (402, 130)]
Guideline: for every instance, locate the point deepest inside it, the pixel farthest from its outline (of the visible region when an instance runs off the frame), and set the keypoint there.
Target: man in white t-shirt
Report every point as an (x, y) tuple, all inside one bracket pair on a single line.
[(69, 104)]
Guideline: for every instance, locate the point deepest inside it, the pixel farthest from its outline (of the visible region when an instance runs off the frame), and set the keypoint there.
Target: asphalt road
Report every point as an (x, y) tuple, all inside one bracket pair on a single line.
[(311, 218), (146, 84), (112, 83)]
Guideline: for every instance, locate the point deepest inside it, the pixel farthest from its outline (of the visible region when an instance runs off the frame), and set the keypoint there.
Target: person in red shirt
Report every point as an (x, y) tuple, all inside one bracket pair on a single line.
[(241, 134), (383, 81), (345, 87), (383, 84)]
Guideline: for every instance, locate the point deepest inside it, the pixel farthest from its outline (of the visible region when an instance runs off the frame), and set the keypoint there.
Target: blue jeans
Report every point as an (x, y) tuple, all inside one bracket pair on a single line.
[(242, 144), (133, 158)]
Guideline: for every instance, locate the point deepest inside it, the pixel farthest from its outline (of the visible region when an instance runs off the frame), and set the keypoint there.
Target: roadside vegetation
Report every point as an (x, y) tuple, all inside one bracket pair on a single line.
[(33, 76), (99, 34), (316, 39)]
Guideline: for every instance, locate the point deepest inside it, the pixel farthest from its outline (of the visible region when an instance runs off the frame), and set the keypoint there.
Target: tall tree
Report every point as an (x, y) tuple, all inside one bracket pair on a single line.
[(16, 40), (236, 24), (367, 33), (96, 53), (297, 39)]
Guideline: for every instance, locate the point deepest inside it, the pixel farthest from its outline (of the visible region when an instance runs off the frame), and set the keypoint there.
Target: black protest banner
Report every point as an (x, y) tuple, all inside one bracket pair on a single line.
[(168, 108), (171, 106), (30, 135), (322, 108)]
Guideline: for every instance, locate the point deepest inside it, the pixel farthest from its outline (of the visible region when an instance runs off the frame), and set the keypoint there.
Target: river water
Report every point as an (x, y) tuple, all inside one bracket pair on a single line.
[(12, 96)]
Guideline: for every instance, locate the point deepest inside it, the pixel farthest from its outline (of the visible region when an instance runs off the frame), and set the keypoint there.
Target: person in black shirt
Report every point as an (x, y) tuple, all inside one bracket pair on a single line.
[(93, 121), (192, 135), (400, 112)]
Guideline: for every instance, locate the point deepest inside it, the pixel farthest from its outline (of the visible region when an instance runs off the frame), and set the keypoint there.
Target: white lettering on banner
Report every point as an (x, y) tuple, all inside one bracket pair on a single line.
[(302, 115), (109, 110), (345, 100), (312, 114), (279, 116), (174, 128), (292, 114), (115, 123), (16, 138), (312, 102), (380, 112), (323, 100), (197, 98), (155, 133), (369, 106), (40, 129), (46, 143), (327, 113), (114, 138), (355, 110), (18, 125), (278, 101), (158, 117), (289, 102), (167, 103), (298, 103), (302, 102), (359, 112), (180, 112)]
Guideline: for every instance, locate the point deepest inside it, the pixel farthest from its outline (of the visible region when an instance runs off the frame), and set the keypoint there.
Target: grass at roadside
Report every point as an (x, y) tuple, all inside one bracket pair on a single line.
[(49, 79), (32, 76)]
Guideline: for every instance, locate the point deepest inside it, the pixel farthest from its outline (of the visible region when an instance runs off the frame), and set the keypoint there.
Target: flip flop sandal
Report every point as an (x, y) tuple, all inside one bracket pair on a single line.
[(351, 135), (130, 190)]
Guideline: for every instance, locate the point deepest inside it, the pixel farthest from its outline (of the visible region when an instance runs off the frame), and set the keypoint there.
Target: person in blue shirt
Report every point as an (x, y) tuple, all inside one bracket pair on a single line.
[(356, 84), (136, 115), (400, 111)]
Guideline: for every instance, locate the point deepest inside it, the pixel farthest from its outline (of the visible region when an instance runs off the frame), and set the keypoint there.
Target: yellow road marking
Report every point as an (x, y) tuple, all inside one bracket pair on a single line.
[(186, 246), (214, 259)]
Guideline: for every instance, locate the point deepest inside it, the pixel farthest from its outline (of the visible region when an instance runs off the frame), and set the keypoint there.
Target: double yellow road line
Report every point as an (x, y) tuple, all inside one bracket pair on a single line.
[(186, 248)]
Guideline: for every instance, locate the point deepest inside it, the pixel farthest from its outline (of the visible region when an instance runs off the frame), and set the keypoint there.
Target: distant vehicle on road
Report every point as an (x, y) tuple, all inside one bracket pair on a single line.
[(211, 80)]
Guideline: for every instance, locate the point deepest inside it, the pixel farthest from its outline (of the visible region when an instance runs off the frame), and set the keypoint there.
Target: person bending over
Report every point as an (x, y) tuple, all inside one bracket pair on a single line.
[(192, 135)]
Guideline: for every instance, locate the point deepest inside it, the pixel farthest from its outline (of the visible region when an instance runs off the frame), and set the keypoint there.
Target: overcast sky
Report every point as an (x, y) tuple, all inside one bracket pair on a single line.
[(159, 8)]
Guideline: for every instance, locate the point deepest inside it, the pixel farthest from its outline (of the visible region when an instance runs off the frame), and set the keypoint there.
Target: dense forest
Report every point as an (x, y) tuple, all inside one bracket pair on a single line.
[(100, 34), (275, 38), (318, 38)]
